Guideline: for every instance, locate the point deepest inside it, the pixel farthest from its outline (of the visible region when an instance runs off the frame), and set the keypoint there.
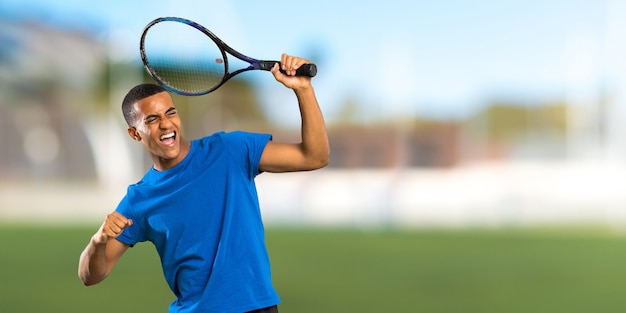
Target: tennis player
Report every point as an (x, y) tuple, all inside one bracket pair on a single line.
[(198, 203)]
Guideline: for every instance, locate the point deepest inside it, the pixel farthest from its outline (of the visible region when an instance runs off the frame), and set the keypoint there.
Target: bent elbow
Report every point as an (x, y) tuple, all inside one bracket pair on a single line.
[(325, 161), (85, 280), (320, 162), (88, 283), (89, 280)]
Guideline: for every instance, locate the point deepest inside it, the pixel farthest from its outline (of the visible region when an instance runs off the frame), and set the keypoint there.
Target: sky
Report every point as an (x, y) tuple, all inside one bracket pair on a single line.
[(396, 58)]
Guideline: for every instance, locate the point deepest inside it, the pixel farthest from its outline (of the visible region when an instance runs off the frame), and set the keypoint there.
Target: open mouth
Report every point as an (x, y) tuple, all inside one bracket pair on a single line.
[(168, 139)]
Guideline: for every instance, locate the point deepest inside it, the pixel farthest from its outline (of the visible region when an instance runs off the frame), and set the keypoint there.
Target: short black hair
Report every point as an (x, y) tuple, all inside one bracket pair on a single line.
[(137, 93)]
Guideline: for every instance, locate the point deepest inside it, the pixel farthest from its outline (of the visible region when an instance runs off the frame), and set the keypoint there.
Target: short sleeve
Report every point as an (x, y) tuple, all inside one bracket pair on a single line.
[(248, 147), (132, 234)]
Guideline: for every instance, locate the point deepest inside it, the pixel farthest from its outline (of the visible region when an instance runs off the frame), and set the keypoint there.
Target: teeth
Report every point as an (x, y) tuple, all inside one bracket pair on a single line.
[(170, 135)]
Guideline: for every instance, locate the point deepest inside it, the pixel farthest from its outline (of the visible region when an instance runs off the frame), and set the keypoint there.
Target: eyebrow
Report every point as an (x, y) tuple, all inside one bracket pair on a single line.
[(151, 116), (156, 115)]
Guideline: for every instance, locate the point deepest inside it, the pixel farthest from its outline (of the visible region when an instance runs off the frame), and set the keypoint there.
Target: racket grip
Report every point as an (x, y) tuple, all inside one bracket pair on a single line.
[(309, 69)]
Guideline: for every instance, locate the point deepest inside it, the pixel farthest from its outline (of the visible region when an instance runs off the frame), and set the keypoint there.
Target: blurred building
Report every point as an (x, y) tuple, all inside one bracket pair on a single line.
[(45, 81), (386, 146)]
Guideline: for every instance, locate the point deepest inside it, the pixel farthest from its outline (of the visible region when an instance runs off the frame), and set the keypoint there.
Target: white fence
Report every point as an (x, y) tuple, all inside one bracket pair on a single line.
[(513, 194), (487, 195)]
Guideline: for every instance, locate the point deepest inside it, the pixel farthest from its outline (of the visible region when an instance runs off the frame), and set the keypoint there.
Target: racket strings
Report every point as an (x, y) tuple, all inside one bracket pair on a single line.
[(183, 58), (188, 76)]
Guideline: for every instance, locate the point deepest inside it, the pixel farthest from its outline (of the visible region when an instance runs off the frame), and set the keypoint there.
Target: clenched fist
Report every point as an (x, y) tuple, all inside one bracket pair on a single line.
[(113, 226)]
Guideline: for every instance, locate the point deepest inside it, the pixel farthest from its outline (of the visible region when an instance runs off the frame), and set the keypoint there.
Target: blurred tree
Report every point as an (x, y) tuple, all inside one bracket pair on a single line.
[(508, 129), (349, 112), (506, 121)]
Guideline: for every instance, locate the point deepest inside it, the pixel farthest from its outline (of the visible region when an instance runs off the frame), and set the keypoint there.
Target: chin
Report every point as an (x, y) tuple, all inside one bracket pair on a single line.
[(172, 155)]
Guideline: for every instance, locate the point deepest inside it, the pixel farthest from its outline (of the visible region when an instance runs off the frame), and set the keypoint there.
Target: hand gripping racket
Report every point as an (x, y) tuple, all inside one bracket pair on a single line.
[(188, 59)]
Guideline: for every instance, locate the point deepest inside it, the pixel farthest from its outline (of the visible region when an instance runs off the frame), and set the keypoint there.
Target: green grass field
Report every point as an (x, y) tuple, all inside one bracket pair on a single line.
[(342, 270)]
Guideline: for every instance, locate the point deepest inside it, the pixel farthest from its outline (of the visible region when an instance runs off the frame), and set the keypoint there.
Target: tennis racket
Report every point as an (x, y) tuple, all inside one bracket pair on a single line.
[(186, 58)]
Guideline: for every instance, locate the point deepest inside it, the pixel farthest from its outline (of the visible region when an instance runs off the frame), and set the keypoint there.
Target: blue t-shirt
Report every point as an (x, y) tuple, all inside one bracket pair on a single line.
[(204, 219)]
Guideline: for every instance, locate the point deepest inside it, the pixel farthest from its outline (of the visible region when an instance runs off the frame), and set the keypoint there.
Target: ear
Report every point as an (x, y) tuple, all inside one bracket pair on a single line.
[(132, 132)]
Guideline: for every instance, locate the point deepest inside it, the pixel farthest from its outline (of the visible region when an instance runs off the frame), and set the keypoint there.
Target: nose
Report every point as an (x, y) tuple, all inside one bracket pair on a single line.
[(165, 123)]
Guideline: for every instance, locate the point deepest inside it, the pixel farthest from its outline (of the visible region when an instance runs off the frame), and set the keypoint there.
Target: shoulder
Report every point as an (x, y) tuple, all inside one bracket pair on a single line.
[(236, 137)]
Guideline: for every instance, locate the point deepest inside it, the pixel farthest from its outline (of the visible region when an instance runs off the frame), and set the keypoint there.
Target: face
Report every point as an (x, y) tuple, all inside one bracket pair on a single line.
[(158, 127)]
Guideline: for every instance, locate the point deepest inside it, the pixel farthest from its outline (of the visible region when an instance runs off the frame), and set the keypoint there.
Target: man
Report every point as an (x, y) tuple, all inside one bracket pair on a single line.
[(198, 203)]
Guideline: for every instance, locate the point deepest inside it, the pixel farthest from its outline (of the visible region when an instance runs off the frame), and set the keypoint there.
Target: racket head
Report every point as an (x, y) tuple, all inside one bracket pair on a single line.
[(182, 56)]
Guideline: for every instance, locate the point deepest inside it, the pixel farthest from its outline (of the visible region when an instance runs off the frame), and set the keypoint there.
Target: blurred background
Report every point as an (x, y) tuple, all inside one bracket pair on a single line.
[(493, 113), (478, 151)]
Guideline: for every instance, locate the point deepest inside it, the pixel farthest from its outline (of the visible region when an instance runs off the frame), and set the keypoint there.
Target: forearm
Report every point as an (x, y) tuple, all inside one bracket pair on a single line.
[(314, 144), (92, 265), (313, 151), (102, 252)]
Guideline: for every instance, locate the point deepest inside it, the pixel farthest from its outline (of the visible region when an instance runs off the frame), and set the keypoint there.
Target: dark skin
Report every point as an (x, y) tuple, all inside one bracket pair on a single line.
[(158, 127)]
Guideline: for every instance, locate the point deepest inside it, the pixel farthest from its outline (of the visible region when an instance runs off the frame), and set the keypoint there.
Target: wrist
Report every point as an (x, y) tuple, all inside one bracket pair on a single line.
[(98, 239), (302, 90)]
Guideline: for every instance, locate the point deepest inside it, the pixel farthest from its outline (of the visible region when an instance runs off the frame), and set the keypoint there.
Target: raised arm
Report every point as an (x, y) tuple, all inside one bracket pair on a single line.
[(103, 251), (313, 151)]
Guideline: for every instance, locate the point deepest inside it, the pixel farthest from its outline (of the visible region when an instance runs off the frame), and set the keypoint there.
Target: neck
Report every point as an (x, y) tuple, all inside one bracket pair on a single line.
[(162, 164)]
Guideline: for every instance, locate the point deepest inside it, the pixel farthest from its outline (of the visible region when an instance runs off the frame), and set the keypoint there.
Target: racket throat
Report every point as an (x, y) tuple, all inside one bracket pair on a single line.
[(264, 65)]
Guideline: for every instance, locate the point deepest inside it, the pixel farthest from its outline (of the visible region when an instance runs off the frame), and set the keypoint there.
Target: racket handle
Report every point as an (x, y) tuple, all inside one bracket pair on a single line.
[(308, 69)]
